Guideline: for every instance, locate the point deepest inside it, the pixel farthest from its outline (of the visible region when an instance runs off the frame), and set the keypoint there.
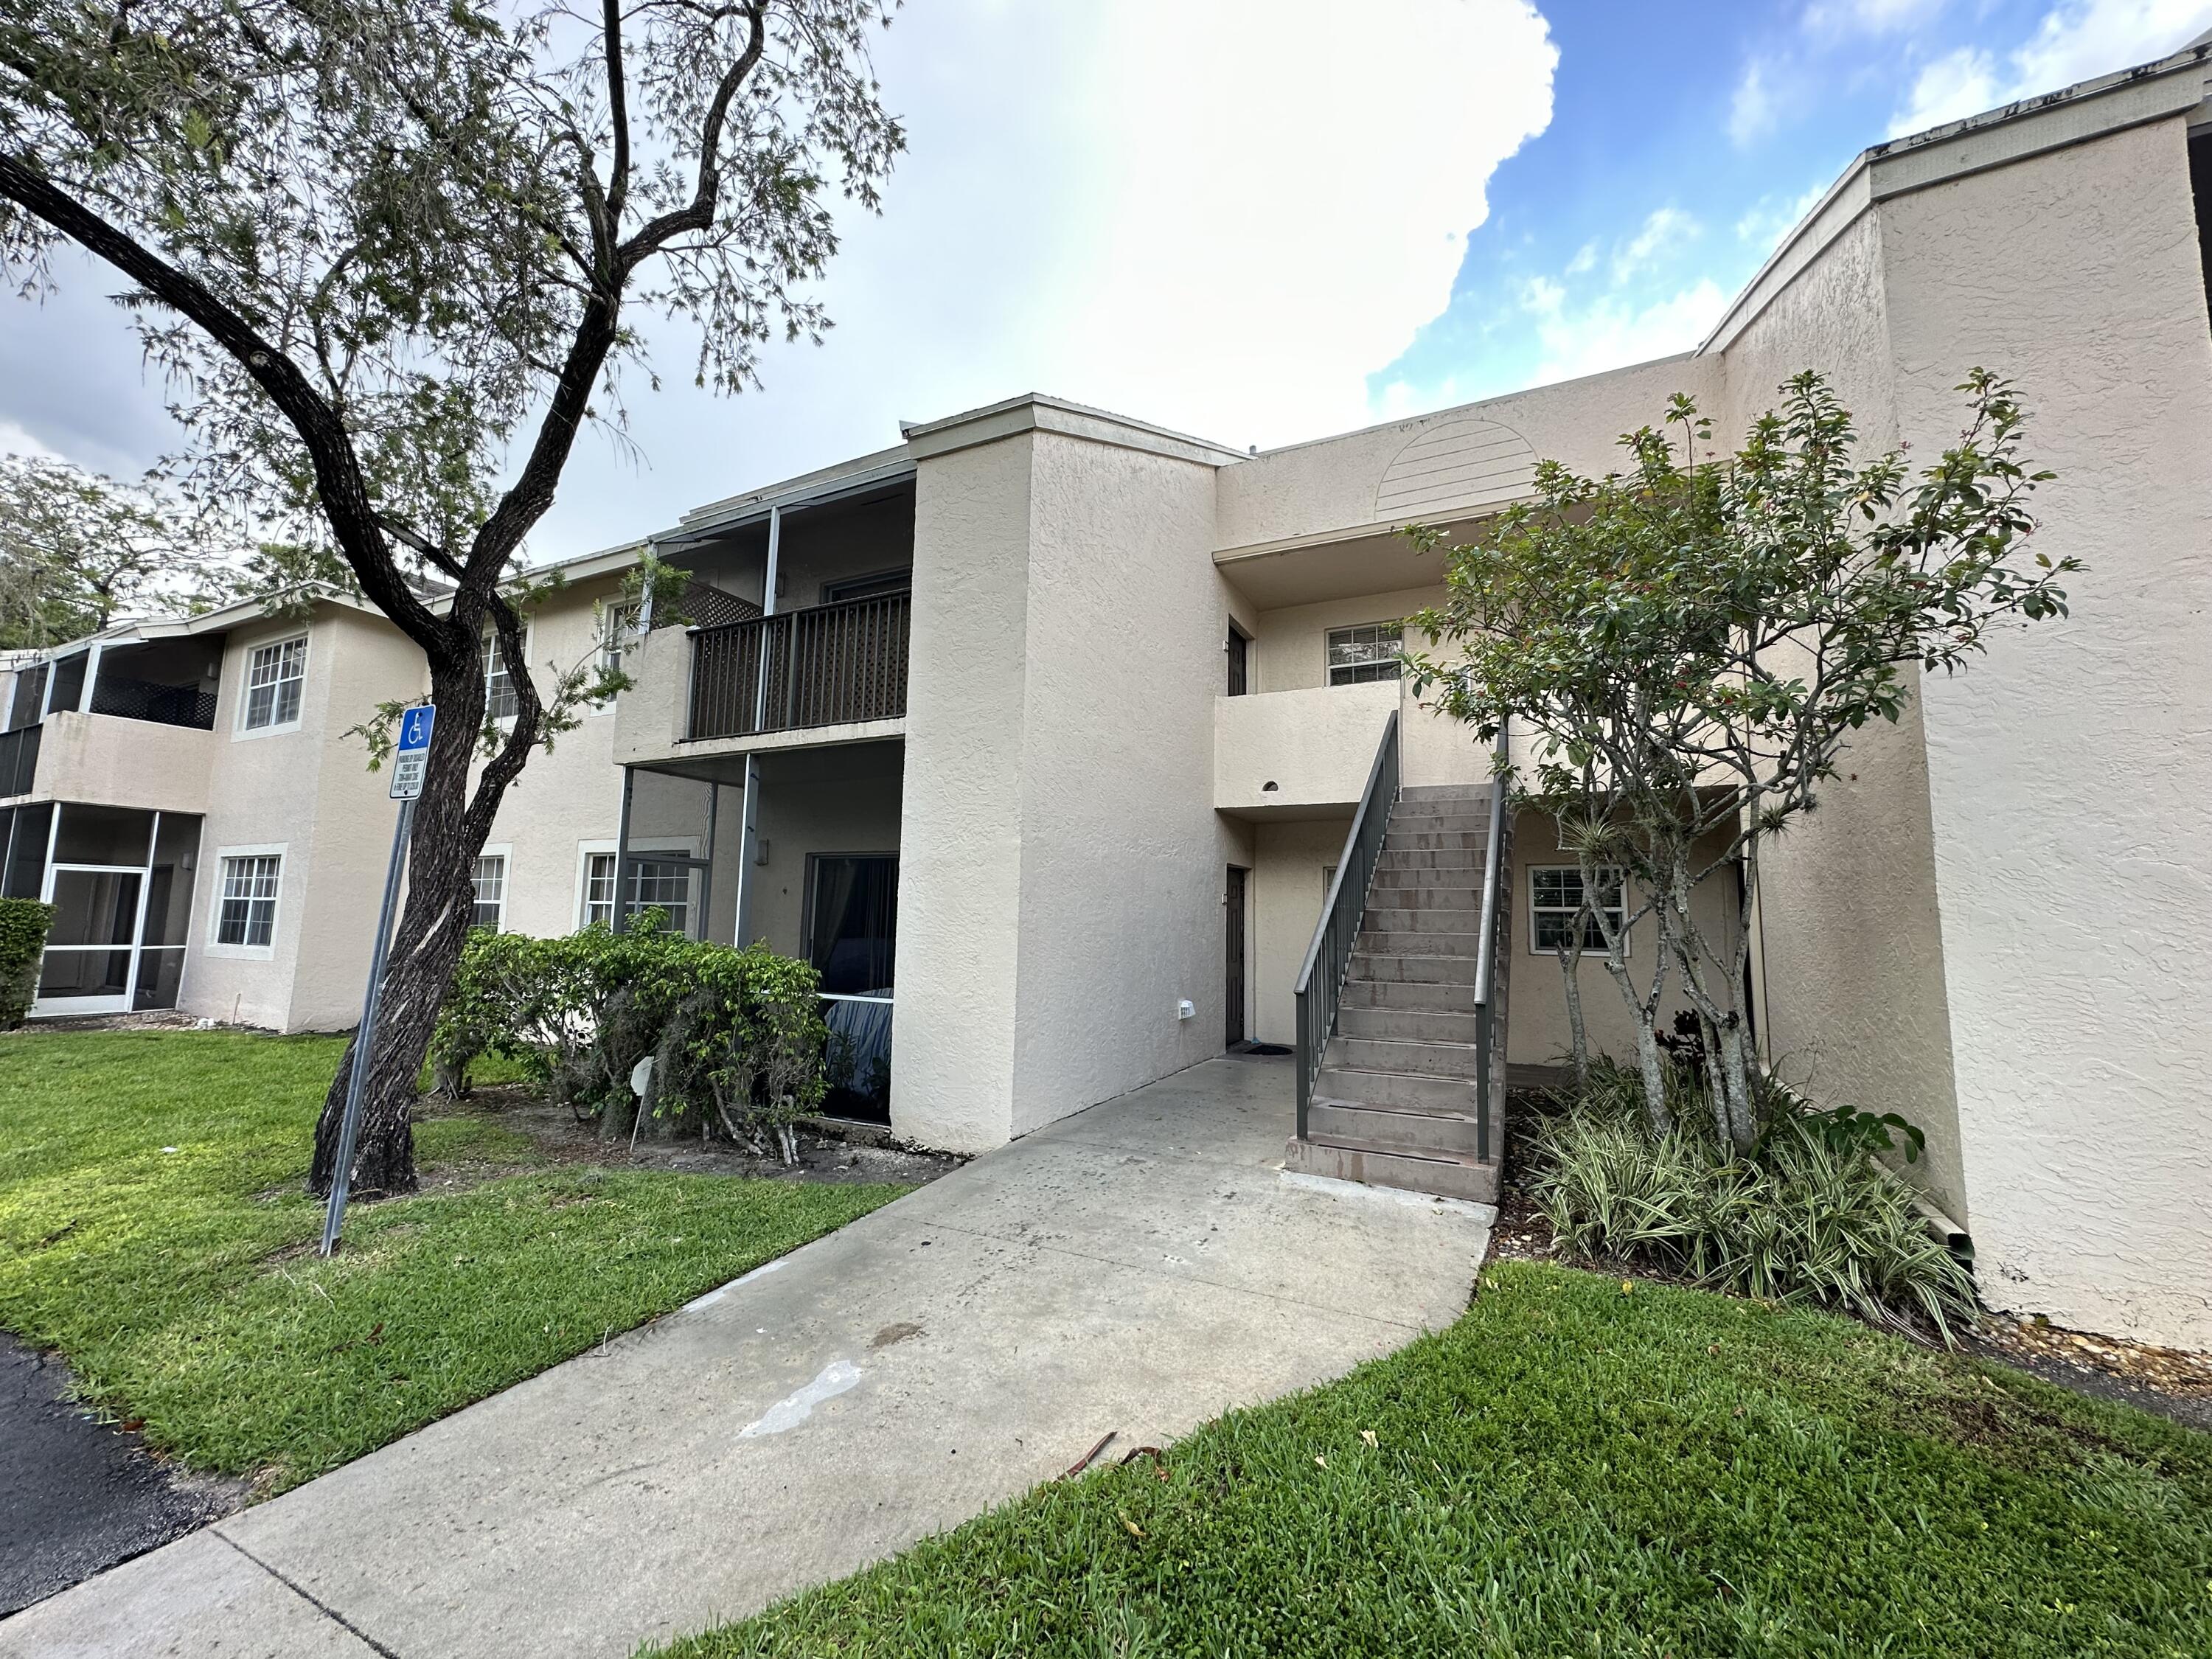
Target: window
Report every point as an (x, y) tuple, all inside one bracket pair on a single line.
[(490, 881), (618, 630), (1368, 652), (867, 587), (500, 703), (274, 674), (665, 882), (247, 912), (598, 889), (1556, 898)]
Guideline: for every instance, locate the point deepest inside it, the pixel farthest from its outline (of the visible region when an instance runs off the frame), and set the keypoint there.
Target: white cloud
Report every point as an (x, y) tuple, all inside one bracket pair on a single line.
[(1609, 330), (2075, 40), (2080, 39), (1956, 85), (1664, 230), (1222, 217), (1754, 109), (15, 440)]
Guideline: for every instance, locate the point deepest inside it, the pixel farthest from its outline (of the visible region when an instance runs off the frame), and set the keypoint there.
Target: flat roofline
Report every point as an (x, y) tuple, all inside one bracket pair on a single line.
[(1037, 411)]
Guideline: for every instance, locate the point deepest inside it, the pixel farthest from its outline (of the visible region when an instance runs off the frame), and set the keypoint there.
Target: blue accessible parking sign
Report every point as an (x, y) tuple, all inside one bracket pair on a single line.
[(412, 752)]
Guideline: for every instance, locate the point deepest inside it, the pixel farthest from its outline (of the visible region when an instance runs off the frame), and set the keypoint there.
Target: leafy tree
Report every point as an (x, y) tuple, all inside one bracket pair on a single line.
[(390, 252), (78, 549), (1692, 644)]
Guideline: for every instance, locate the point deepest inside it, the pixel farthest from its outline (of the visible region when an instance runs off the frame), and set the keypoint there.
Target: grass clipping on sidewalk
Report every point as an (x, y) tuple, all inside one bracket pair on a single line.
[(1584, 1467), (153, 1228)]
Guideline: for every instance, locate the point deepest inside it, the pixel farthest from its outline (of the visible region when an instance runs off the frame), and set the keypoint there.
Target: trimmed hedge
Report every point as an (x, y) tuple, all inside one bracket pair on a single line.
[(23, 925)]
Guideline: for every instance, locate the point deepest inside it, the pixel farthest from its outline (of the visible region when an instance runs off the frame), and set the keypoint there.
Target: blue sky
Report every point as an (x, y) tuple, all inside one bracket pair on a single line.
[(1685, 141), (1263, 220)]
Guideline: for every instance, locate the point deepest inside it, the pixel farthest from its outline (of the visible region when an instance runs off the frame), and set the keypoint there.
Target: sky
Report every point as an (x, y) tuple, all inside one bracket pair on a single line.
[(1259, 221)]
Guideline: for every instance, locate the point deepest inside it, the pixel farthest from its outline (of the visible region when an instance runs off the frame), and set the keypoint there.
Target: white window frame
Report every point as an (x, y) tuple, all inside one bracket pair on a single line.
[(214, 946), (273, 728), (618, 633), (505, 855), (491, 658), (1536, 949), (1328, 667), (585, 852)]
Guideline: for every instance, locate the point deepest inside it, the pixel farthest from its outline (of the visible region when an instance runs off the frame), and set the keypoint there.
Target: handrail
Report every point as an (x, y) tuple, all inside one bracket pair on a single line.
[(1485, 955), (1335, 932)]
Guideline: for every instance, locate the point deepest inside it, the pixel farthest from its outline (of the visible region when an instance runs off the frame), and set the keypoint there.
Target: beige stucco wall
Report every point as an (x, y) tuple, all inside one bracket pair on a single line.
[(1123, 861), (952, 1025), (2070, 777), (1330, 484), (112, 762), (1276, 751), (1289, 861), (1850, 965)]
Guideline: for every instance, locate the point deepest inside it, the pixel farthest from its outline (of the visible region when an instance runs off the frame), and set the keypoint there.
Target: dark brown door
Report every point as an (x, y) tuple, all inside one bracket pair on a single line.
[(1235, 1032), (1240, 663)]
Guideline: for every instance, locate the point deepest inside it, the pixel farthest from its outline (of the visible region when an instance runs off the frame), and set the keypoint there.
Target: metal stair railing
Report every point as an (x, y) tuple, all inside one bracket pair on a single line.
[(1486, 960), (1328, 958)]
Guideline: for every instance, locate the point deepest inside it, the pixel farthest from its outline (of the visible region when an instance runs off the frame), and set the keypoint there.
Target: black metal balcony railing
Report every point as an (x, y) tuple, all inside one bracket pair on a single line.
[(827, 665), (145, 700), (18, 760)]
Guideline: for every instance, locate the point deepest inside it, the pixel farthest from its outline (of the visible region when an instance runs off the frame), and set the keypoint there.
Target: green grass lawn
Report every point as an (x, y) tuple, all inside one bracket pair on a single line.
[(153, 1228), (1572, 1469)]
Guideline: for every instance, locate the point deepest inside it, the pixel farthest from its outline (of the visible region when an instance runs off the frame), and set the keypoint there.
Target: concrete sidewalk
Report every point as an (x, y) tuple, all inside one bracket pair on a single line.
[(1141, 1267)]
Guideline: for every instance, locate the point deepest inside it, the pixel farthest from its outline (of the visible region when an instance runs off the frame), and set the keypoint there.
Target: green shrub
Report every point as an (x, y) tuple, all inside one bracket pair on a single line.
[(1806, 1216), (23, 924), (736, 1036)]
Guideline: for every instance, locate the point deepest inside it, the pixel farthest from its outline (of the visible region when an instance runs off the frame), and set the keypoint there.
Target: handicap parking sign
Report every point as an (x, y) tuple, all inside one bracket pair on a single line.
[(412, 752)]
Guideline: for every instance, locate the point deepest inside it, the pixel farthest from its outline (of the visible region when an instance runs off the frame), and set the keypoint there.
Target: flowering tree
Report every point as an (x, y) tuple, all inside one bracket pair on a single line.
[(1693, 643)]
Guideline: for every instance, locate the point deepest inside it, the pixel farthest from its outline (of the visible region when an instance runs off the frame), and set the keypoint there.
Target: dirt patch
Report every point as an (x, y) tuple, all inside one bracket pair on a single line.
[(827, 1151)]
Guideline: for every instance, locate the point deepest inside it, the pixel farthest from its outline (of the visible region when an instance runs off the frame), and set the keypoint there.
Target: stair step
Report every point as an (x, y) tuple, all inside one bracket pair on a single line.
[(1468, 822), (1407, 1091), (1396, 918), (1440, 942), (1405, 1056), (1395, 996), (1468, 843), (1368, 1128), (1478, 793), (1367, 963), (1466, 883), (1462, 1178), (1431, 858), (1407, 1024)]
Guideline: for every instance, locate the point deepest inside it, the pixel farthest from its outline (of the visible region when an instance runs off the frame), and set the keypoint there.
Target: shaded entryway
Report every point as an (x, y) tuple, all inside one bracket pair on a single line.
[(1139, 1267)]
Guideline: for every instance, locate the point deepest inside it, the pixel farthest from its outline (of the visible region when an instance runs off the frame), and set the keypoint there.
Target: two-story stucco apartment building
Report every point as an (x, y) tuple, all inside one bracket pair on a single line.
[(1043, 732)]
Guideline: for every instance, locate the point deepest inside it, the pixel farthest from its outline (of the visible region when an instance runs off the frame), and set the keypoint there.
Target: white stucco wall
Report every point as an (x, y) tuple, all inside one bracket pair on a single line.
[(1290, 859), (2069, 773)]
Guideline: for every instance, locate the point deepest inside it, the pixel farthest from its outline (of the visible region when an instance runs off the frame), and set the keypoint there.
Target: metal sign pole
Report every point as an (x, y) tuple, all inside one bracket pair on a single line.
[(407, 764)]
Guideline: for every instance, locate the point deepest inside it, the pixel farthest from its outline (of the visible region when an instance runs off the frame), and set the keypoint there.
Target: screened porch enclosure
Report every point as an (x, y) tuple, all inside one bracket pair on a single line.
[(797, 849), (120, 881)]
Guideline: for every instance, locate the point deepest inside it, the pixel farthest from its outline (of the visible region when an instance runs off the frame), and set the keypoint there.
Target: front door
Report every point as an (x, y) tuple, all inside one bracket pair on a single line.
[(1235, 953)]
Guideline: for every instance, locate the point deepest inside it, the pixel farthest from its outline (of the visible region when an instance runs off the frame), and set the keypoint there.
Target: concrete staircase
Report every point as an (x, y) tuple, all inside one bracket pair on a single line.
[(1395, 1102)]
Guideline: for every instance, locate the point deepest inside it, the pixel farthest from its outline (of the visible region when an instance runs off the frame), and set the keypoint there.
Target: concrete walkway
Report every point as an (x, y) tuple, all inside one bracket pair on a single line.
[(1141, 1267)]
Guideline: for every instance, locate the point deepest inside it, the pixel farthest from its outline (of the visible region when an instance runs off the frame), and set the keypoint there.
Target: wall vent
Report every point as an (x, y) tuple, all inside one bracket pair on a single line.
[(1455, 465)]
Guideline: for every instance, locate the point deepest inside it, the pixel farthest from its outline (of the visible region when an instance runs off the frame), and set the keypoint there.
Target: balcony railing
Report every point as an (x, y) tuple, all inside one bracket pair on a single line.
[(18, 760), (146, 699), (827, 666)]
